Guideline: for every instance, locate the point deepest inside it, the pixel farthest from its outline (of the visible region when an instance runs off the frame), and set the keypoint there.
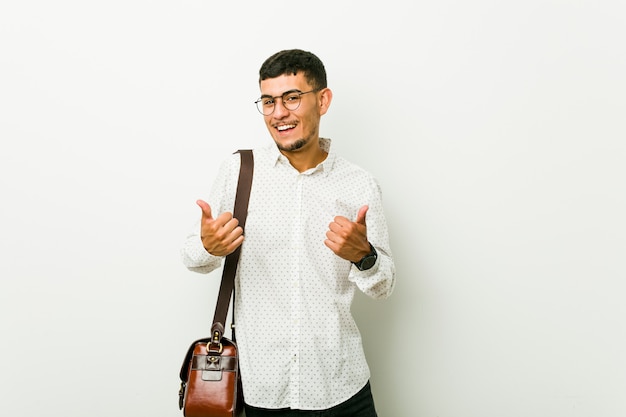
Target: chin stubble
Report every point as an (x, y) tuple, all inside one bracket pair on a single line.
[(299, 144)]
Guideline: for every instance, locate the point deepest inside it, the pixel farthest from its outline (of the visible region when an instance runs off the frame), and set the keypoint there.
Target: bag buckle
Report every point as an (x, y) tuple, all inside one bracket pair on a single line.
[(216, 344)]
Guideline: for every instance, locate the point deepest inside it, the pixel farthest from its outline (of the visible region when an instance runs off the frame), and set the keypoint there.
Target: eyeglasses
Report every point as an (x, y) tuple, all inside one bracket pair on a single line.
[(291, 101)]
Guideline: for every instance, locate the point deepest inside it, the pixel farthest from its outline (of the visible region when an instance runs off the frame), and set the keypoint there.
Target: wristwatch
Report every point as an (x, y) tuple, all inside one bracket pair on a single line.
[(368, 260)]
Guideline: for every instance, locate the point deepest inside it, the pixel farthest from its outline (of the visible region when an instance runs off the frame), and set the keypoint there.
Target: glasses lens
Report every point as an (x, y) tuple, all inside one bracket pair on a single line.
[(265, 105), (292, 101)]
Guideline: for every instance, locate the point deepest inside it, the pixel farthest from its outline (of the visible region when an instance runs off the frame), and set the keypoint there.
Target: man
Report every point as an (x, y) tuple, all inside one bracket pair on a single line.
[(315, 232)]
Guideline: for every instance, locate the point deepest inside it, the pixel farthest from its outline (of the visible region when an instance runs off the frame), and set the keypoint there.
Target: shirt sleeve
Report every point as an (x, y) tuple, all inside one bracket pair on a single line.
[(221, 199), (377, 282), (195, 257)]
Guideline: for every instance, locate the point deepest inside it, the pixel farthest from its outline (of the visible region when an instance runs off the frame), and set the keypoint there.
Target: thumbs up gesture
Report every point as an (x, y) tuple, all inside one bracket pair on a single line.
[(348, 239), (222, 235)]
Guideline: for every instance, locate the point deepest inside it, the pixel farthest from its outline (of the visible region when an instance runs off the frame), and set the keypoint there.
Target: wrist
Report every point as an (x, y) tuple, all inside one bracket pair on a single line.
[(367, 261)]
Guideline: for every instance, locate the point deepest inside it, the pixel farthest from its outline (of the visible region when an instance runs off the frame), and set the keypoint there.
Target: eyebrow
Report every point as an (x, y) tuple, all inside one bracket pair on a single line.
[(295, 90)]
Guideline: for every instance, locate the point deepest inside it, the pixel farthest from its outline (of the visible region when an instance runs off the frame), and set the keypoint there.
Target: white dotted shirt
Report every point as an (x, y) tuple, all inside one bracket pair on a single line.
[(299, 345)]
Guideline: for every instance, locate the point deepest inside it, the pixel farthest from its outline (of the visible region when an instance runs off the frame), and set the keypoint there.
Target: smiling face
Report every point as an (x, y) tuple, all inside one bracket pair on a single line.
[(295, 131)]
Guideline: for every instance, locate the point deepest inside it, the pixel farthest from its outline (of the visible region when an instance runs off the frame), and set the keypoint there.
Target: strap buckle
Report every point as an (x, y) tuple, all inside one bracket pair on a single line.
[(215, 347)]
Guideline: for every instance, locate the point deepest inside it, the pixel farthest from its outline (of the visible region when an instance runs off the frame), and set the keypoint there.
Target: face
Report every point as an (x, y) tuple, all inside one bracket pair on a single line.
[(295, 130)]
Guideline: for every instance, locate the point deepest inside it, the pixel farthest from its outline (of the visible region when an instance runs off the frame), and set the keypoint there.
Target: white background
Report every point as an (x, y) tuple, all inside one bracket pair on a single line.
[(496, 130)]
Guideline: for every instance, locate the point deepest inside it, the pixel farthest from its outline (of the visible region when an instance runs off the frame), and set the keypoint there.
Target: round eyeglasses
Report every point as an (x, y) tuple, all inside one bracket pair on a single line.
[(291, 100)]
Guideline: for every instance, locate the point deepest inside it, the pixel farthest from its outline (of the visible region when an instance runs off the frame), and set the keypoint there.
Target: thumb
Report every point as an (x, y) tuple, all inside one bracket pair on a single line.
[(360, 217), (206, 209)]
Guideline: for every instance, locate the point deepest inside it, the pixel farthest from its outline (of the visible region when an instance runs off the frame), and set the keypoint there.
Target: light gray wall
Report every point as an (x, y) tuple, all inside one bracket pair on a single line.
[(496, 130)]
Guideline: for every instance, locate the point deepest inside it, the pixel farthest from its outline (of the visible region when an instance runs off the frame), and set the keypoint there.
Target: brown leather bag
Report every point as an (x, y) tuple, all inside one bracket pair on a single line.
[(210, 381), (212, 385)]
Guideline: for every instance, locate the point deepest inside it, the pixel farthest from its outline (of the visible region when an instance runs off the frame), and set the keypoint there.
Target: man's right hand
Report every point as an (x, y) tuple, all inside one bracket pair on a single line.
[(220, 236)]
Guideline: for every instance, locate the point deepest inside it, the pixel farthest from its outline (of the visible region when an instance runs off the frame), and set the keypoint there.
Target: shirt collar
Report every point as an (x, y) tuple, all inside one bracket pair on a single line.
[(324, 167)]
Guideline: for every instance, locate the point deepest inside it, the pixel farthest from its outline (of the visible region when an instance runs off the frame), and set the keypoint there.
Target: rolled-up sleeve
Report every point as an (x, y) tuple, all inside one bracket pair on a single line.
[(377, 282), (222, 198), (195, 257)]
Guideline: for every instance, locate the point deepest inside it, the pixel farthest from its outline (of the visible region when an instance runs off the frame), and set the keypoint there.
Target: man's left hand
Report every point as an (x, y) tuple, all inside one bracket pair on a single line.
[(348, 239)]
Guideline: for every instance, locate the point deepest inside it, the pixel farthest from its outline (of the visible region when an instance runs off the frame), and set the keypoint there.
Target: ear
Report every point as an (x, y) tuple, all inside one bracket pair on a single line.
[(326, 96)]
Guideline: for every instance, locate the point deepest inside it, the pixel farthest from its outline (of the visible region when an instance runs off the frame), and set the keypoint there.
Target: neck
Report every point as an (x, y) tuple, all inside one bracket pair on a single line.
[(305, 159)]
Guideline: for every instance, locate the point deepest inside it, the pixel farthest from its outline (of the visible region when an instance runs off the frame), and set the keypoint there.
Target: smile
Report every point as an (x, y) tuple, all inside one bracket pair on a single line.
[(285, 127)]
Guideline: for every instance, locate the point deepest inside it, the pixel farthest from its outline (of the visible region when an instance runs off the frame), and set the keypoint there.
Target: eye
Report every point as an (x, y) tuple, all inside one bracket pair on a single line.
[(268, 101), (292, 98)]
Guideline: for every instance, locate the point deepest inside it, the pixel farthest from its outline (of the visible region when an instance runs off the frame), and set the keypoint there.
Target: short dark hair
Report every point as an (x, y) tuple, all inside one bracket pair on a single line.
[(292, 61)]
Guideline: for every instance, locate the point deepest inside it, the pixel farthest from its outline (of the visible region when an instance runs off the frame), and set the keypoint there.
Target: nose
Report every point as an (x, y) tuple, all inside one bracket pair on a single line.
[(280, 110)]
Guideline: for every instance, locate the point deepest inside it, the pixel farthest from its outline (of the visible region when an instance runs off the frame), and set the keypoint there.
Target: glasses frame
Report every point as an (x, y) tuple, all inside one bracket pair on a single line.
[(282, 98)]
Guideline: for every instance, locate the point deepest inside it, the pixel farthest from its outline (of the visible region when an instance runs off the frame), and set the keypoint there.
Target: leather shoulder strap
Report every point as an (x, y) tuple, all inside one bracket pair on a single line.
[(240, 212)]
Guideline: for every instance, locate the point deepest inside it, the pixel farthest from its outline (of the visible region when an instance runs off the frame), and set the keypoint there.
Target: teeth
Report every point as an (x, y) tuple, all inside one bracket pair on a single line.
[(285, 127)]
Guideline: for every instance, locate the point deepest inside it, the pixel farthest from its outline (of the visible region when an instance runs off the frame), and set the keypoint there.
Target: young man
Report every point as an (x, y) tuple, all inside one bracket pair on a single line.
[(315, 233)]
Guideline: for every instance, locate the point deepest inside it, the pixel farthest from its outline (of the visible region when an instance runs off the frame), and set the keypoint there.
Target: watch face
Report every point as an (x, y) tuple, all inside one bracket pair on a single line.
[(368, 262)]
